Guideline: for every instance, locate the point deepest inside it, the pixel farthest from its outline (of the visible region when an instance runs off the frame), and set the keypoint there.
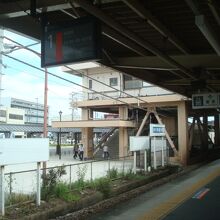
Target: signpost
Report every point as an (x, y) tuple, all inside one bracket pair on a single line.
[(157, 132), (19, 151)]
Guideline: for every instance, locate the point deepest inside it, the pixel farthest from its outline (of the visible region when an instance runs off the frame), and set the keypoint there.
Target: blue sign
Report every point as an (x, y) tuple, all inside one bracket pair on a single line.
[(157, 130)]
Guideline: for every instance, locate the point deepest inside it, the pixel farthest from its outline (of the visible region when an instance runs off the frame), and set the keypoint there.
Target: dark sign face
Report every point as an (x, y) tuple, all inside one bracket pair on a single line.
[(74, 42)]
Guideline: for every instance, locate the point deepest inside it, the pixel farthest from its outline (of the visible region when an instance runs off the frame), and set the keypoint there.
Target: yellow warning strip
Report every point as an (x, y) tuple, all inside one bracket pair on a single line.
[(164, 208)]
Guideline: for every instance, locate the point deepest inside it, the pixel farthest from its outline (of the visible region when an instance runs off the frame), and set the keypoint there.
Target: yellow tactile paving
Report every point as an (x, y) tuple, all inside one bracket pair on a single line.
[(166, 207)]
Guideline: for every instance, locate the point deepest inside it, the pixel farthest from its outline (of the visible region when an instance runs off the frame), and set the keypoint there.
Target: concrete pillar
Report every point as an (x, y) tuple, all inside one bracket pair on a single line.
[(217, 130), (123, 112), (87, 134), (123, 132), (183, 133), (123, 142), (205, 132)]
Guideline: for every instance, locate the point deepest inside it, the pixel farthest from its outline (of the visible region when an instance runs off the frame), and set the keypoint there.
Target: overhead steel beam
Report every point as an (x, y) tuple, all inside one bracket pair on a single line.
[(208, 61), (112, 34), (187, 82), (204, 26), (126, 32), (208, 32), (155, 23), (25, 12), (215, 10)]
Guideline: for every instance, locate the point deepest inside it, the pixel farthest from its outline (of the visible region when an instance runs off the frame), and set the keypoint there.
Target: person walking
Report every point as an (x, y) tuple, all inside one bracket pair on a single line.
[(81, 151), (75, 150), (105, 151)]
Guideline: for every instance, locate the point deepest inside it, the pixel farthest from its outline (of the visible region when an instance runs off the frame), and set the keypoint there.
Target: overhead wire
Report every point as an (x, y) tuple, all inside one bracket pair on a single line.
[(89, 77), (67, 80), (101, 93)]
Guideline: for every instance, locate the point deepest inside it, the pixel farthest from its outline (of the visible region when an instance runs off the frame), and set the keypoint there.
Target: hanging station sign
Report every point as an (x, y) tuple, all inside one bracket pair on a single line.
[(208, 100), (71, 42)]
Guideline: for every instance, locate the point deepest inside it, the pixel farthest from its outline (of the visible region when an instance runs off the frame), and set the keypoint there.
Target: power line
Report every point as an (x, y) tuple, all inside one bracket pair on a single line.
[(67, 80), (18, 60), (89, 77)]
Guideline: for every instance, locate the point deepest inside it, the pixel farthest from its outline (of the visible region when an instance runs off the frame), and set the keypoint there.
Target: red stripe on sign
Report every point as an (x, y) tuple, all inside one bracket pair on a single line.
[(59, 45)]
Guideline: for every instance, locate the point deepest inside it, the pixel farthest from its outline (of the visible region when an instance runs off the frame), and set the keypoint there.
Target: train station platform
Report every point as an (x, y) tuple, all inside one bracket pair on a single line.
[(194, 196)]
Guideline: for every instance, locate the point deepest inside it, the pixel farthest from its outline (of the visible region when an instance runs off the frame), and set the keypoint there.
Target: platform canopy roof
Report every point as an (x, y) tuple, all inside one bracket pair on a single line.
[(174, 44), (39, 129)]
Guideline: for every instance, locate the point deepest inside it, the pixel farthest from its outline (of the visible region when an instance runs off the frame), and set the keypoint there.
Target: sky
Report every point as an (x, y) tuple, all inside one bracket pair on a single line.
[(23, 82)]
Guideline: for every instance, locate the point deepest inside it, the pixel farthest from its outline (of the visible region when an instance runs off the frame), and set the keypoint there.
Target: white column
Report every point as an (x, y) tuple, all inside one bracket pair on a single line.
[(162, 152), (135, 162), (38, 194), (145, 160), (155, 156), (2, 194), (1, 49)]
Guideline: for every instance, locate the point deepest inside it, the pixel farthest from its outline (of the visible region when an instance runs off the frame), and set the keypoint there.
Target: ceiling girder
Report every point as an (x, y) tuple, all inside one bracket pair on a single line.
[(204, 26), (126, 32), (215, 10), (112, 34), (208, 61), (155, 23)]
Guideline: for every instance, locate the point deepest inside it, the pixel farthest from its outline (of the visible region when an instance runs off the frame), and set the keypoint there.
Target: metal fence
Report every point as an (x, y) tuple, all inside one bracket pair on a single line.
[(25, 182)]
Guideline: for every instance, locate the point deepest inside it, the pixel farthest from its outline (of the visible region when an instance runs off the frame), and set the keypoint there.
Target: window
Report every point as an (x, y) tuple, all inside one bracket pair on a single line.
[(17, 117), (113, 81), (132, 82), (90, 84), (2, 113)]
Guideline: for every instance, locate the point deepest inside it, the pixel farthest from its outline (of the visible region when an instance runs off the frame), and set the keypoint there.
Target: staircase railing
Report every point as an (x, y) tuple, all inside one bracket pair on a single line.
[(103, 140)]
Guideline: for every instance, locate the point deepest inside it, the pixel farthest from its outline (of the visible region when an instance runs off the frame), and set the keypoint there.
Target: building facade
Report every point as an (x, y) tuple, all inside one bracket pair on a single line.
[(116, 80), (135, 104), (13, 116), (33, 111)]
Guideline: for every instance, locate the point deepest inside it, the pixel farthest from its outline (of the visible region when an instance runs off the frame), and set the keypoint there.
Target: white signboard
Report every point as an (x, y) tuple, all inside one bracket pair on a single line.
[(28, 150), (139, 143), (158, 143), (157, 130), (208, 100)]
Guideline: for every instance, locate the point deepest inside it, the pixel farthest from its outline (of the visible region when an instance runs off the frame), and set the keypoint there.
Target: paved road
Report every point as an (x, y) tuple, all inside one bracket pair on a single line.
[(195, 196)]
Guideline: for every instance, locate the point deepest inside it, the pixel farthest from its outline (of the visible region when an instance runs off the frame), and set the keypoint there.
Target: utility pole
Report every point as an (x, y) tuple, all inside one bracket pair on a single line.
[(1, 64)]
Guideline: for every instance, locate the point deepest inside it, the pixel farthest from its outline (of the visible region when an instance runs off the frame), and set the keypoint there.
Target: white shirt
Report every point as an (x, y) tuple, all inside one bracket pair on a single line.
[(81, 147), (105, 148)]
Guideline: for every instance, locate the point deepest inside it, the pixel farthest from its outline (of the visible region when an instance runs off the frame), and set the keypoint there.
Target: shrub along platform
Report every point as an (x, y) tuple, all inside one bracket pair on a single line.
[(96, 202)]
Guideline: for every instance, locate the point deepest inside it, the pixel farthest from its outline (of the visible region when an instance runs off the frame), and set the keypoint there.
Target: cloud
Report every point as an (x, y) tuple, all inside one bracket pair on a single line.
[(29, 87)]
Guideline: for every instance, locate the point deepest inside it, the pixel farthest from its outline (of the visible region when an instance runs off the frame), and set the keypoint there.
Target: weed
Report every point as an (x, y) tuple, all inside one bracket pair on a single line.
[(81, 173), (50, 180), (16, 198), (113, 173), (62, 191), (103, 185)]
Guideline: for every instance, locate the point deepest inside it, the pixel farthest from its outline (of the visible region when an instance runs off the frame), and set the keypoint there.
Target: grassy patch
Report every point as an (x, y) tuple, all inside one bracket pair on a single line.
[(16, 198), (62, 191)]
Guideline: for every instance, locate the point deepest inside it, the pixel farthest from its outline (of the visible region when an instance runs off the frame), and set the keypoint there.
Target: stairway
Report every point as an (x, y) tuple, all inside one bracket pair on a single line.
[(113, 146)]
